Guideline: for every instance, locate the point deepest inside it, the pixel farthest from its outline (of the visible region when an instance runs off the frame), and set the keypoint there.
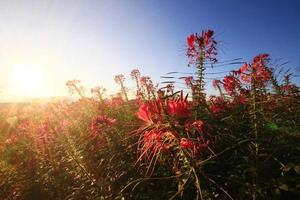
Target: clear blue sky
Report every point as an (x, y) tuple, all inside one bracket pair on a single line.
[(94, 40)]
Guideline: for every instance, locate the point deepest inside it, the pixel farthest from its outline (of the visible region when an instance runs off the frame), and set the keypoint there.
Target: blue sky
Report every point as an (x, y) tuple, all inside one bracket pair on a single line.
[(94, 40)]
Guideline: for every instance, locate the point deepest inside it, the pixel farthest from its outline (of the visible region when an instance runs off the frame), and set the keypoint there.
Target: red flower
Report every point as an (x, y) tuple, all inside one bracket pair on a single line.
[(203, 46), (230, 84), (289, 89), (198, 124), (258, 70), (100, 123), (218, 104), (151, 111), (153, 143), (203, 147), (179, 107), (191, 41), (116, 100), (144, 113), (207, 36), (244, 68), (186, 143)]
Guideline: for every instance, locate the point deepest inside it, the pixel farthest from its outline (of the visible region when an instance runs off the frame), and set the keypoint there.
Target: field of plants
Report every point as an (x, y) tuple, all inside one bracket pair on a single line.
[(243, 143)]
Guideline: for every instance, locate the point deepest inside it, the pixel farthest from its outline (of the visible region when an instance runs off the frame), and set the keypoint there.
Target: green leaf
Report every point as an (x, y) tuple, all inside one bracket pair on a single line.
[(272, 126), (297, 169), (284, 187)]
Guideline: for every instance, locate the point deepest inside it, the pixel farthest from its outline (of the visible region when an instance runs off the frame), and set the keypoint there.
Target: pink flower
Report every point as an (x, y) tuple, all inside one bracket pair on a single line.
[(135, 74), (189, 81), (119, 78), (116, 100)]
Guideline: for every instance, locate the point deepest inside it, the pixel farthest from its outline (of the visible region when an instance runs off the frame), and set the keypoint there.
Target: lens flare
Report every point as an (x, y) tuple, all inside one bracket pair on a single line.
[(27, 80)]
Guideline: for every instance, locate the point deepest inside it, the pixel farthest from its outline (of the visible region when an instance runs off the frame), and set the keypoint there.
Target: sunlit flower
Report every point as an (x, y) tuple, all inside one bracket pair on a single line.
[(45, 134), (116, 100), (119, 78), (151, 111), (100, 123), (179, 108), (12, 139), (144, 113), (135, 74)]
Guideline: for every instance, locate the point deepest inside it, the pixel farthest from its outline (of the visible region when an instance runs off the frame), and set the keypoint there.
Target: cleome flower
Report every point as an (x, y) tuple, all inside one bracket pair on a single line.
[(179, 107), (257, 71), (151, 112), (144, 113), (100, 123), (186, 143), (202, 47), (191, 41)]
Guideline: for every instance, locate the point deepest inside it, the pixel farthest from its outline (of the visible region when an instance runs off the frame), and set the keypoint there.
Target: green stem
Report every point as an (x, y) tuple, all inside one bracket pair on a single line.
[(255, 127)]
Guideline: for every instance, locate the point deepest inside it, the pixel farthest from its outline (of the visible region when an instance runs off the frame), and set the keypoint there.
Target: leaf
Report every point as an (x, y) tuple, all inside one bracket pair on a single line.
[(297, 169), (272, 126), (287, 168), (284, 187)]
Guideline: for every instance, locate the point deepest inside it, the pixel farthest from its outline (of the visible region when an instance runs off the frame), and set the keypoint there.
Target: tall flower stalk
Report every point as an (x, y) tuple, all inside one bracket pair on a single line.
[(119, 79), (201, 48)]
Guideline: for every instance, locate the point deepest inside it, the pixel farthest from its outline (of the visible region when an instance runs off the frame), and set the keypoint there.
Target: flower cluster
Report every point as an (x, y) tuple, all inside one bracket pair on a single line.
[(168, 127), (231, 84), (179, 108), (119, 79), (256, 71), (100, 123), (202, 47), (218, 104)]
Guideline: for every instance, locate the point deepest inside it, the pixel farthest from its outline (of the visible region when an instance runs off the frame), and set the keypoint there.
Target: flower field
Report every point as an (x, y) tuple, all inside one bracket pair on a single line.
[(243, 143)]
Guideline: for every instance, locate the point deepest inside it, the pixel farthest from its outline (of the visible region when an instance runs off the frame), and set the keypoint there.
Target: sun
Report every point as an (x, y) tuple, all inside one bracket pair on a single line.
[(28, 80)]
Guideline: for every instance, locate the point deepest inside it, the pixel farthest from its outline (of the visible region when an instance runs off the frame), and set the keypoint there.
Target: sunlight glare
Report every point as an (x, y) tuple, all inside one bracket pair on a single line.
[(27, 80)]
